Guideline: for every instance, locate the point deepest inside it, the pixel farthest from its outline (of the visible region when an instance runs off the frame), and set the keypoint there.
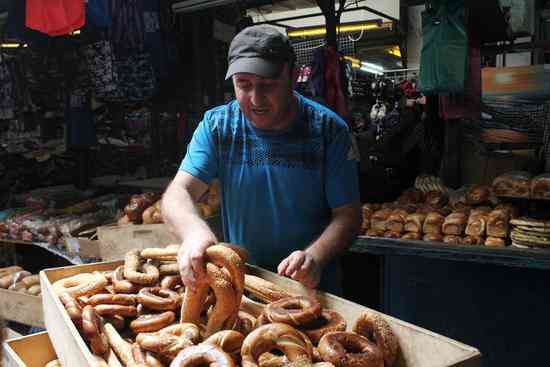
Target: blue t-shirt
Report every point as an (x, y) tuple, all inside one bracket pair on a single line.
[(278, 188)]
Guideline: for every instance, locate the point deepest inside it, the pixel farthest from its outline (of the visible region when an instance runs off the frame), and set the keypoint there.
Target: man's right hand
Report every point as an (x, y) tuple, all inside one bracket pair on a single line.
[(191, 260)]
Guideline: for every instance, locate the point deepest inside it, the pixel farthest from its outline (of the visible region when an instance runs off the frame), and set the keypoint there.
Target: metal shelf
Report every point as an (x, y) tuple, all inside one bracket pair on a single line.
[(506, 256)]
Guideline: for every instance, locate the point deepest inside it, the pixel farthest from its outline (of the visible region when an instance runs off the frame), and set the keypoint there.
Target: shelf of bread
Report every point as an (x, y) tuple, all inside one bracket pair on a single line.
[(137, 310), (20, 296), (33, 350), (522, 185), (470, 217)]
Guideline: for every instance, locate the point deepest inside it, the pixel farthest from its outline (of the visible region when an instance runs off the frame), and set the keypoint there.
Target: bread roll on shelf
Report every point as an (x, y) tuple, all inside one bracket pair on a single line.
[(495, 242), (513, 184), (452, 239), (414, 222), (379, 219), (412, 236), (498, 223), (477, 224), (433, 237), (433, 223), (454, 224)]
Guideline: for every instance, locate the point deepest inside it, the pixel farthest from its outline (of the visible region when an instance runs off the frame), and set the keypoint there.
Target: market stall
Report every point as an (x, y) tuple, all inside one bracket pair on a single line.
[(409, 345)]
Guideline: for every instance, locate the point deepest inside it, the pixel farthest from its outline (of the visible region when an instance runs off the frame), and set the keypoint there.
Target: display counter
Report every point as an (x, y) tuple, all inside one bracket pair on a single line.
[(494, 298)]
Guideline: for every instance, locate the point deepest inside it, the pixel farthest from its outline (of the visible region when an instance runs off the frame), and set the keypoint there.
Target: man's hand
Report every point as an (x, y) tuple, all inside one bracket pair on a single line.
[(191, 260), (301, 266)]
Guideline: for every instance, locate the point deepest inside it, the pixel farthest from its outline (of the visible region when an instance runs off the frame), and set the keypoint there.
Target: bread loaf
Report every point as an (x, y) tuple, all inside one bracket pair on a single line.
[(477, 224), (540, 187), (478, 194), (392, 234), (396, 221), (454, 224), (373, 232), (498, 223), (433, 223), (495, 242), (412, 236), (436, 199), (452, 239), (513, 184), (414, 222), (473, 240), (379, 218), (433, 237)]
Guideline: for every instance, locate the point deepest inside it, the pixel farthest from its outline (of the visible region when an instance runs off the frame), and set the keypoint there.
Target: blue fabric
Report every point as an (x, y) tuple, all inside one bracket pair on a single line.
[(277, 188), (98, 13)]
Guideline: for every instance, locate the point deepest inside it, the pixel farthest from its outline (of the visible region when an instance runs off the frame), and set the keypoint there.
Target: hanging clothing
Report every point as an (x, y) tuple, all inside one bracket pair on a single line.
[(7, 91), (55, 17)]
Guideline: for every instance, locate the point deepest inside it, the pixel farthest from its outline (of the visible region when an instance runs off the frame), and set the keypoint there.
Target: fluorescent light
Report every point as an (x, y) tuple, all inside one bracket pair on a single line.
[(370, 70), (319, 31), (368, 65), (10, 45), (75, 33)]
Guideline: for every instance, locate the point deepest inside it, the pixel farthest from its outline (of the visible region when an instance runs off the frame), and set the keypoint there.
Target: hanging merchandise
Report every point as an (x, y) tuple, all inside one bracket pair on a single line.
[(7, 95), (468, 103), (443, 60), (55, 17), (98, 13), (100, 59), (328, 80), (136, 77), (127, 30)]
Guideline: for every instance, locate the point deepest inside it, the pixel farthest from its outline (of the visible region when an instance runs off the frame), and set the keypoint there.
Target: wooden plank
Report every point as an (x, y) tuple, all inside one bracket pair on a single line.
[(419, 347), (21, 307), (505, 256), (29, 351)]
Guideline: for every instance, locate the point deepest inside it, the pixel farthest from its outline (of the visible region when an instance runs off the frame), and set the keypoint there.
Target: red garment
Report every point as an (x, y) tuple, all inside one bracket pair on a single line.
[(334, 93), (55, 17)]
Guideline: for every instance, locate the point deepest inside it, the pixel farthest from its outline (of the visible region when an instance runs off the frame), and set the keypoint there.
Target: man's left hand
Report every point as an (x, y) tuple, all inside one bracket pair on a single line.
[(302, 267)]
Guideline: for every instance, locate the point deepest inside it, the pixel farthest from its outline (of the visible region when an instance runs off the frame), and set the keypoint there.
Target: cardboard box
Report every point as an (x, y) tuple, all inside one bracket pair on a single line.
[(28, 351), (21, 307), (420, 347), (115, 241)]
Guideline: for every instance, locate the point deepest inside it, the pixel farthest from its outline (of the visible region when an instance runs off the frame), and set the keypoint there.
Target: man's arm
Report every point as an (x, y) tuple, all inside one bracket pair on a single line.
[(183, 219), (306, 266)]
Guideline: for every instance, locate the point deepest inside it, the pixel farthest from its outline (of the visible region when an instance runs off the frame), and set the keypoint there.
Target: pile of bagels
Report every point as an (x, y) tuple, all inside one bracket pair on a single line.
[(141, 315), (17, 279)]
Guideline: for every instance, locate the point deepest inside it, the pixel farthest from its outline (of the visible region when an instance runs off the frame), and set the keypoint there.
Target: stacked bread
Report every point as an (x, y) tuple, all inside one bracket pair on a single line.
[(522, 185), (530, 232), (432, 216), (146, 208), (18, 279)]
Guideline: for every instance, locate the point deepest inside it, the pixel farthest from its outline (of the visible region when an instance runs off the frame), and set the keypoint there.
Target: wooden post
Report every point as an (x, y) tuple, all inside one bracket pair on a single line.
[(332, 20)]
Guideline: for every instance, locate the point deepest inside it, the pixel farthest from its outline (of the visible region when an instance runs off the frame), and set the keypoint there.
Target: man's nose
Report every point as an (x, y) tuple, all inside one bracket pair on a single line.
[(257, 96)]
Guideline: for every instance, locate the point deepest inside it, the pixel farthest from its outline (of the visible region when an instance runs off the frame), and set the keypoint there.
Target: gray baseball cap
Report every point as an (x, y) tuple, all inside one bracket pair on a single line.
[(262, 50)]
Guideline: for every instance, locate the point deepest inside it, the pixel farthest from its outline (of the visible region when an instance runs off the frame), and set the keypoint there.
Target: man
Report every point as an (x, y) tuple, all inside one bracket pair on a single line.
[(287, 169)]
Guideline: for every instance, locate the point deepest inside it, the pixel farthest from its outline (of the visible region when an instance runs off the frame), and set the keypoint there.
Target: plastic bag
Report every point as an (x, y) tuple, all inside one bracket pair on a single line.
[(443, 61)]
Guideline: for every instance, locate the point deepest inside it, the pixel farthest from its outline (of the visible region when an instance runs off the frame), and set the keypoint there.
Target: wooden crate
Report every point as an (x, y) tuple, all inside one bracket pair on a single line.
[(420, 347), (115, 241), (28, 351), (21, 307)]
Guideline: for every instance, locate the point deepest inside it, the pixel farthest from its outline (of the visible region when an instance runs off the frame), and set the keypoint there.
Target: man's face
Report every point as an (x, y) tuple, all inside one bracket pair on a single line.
[(266, 103)]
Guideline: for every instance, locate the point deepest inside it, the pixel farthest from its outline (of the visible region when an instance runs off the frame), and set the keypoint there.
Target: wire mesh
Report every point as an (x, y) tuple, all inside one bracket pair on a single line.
[(304, 49)]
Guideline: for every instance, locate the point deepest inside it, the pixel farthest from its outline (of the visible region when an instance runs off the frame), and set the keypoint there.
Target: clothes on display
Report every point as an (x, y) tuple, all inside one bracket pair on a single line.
[(55, 17)]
